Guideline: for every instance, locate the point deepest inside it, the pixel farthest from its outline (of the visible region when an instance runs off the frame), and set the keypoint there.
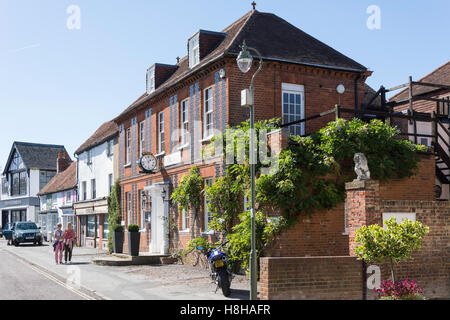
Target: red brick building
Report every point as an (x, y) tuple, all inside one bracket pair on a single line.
[(201, 94)]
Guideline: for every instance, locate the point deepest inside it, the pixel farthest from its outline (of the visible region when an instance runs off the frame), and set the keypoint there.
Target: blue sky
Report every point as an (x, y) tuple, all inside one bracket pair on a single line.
[(58, 85)]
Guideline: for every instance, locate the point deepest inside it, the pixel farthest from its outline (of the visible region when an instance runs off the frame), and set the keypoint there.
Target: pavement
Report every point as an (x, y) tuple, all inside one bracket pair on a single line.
[(85, 280)]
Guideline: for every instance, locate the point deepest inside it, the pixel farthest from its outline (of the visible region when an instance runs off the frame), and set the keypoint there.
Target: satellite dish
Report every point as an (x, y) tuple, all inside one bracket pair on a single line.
[(340, 89)]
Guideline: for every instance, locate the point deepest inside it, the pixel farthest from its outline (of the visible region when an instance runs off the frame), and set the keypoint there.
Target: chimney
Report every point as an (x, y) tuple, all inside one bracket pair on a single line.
[(63, 162)]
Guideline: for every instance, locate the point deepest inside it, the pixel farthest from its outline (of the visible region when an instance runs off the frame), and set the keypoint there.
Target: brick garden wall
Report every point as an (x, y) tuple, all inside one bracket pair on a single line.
[(296, 268), (310, 278)]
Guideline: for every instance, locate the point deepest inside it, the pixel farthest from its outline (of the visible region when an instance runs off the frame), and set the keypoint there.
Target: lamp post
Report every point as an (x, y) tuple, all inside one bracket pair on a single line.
[(244, 62)]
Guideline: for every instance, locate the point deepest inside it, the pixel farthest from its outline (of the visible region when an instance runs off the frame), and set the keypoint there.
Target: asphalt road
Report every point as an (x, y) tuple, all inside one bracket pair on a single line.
[(20, 280)]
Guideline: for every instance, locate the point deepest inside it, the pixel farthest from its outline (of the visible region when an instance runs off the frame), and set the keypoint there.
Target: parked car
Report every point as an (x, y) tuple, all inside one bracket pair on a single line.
[(26, 232), (1, 232), (8, 230)]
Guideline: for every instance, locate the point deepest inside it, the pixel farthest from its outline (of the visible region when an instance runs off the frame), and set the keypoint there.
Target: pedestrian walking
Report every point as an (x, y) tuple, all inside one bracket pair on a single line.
[(58, 244), (69, 240)]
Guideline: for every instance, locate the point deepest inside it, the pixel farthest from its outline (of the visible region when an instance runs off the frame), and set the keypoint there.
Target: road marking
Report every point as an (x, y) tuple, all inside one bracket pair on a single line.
[(49, 276)]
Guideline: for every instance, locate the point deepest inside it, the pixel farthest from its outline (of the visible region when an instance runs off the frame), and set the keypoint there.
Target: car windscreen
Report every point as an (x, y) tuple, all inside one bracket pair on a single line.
[(26, 226)]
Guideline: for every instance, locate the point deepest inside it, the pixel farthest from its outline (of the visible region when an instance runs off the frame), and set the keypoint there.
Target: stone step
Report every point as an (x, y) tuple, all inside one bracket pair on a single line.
[(126, 260)]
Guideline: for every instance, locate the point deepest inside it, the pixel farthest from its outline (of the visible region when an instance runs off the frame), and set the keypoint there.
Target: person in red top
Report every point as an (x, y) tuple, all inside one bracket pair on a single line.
[(69, 240)]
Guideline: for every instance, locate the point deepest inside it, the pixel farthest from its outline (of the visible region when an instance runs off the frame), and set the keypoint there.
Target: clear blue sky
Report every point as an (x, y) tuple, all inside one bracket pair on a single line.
[(58, 85)]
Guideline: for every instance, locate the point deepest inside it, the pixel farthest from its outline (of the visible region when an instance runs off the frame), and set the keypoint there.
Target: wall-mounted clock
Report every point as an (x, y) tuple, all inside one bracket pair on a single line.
[(147, 162)]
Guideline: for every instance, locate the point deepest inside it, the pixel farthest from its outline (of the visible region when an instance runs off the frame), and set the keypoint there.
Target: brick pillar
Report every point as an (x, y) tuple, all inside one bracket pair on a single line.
[(362, 207)]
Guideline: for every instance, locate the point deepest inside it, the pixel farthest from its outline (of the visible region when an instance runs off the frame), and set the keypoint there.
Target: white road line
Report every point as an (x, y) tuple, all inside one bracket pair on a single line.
[(52, 278)]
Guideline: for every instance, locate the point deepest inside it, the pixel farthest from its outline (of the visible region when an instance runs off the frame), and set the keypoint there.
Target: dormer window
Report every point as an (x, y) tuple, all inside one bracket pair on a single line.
[(151, 80), (194, 51)]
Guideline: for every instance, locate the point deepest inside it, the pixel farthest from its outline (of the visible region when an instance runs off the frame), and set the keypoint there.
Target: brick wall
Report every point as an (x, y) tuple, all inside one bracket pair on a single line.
[(323, 234), (322, 278), (430, 265)]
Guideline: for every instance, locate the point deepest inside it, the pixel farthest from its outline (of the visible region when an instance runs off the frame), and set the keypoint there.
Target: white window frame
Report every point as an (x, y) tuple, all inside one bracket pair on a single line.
[(93, 187), (128, 146), (184, 122), (208, 132), (161, 137), (89, 157), (194, 50), (208, 215), (184, 221), (68, 199), (293, 89), (150, 80), (110, 146), (128, 199), (110, 183), (141, 137)]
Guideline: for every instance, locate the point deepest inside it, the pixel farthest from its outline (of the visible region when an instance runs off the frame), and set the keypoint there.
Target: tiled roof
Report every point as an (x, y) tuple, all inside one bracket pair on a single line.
[(369, 93), (65, 180), (106, 131), (439, 76), (275, 38), (35, 155)]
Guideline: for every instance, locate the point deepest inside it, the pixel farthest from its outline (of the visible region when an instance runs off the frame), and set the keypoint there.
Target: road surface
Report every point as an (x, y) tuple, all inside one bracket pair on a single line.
[(20, 280)]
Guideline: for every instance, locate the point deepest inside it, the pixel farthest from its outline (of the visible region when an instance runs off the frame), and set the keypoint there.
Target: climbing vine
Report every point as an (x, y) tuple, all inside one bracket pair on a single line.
[(310, 175)]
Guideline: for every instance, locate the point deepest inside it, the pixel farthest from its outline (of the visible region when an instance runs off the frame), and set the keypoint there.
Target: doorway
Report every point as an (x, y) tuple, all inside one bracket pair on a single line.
[(159, 243)]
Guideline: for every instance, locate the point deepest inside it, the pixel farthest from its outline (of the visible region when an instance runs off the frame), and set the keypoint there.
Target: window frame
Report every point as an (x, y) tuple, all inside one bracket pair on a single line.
[(93, 189), (184, 122), (208, 133), (184, 221), (84, 189), (194, 50), (128, 204), (141, 137), (161, 137), (150, 86), (128, 146), (293, 89)]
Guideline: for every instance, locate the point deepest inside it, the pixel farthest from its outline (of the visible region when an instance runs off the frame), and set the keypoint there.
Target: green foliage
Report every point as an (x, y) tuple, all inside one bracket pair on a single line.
[(114, 216), (197, 242), (225, 199), (118, 228), (395, 243), (133, 228), (312, 172), (310, 175), (239, 245)]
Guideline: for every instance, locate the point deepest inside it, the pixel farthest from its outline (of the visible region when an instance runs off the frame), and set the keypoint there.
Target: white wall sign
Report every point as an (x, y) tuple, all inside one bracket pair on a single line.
[(173, 158), (399, 216)]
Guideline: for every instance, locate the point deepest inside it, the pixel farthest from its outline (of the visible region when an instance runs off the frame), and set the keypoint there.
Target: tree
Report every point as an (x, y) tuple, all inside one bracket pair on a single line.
[(114, 216), (395, 243)]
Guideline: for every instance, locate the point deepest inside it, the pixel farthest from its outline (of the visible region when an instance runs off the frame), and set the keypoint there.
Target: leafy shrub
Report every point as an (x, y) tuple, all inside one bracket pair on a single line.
[(197, 242), (114, 216), (133, 228), (399, 290), (118, 228), (395, 243)]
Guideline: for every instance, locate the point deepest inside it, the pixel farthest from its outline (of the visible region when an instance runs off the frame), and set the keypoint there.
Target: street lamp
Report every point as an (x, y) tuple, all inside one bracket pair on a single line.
[(244, 62)]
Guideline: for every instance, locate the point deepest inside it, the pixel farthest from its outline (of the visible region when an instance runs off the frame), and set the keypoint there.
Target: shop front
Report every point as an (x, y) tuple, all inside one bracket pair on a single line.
[(92, 224)]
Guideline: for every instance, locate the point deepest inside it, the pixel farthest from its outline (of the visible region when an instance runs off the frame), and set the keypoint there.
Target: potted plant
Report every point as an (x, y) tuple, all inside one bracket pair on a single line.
[(134, 238), (118, 238)]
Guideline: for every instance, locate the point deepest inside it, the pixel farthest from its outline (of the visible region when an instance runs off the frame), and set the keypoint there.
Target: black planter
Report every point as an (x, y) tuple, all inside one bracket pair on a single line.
[(133, 243), (118, 238)]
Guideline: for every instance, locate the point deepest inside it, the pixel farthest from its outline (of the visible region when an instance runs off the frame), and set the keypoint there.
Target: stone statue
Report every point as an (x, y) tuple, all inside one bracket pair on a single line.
[(361, 167)]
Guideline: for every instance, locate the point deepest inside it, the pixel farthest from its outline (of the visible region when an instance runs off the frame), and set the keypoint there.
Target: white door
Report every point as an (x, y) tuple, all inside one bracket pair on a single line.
[(157, 220)]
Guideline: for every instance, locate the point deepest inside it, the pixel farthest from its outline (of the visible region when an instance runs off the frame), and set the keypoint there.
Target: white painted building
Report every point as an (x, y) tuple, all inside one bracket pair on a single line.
[(29, 168), (95, 179), (56, 200)]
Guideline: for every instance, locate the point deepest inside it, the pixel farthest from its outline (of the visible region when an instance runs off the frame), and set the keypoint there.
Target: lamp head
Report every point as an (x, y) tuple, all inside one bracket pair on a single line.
[(244, 59)]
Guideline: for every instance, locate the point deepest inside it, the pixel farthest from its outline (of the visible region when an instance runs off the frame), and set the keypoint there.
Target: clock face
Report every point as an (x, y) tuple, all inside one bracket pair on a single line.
[(148, 162)]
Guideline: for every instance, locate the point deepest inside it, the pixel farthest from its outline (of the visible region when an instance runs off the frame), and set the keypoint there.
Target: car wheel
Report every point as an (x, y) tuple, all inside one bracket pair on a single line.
[(16, 243)]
